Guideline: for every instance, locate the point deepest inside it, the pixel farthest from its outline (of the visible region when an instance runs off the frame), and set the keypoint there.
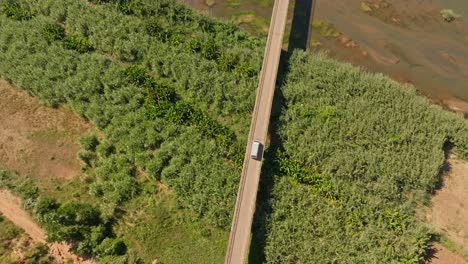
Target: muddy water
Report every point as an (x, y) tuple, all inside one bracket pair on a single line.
[(419, 48), (405, 39)]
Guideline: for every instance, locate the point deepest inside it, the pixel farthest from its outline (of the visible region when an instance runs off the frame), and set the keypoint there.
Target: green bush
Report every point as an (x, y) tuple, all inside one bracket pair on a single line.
[(111, 247), (115, 179), (88, 158), (89, 142), (77, 43), (209, 50), (136, 75), (105, 149), (449, 15), (53, 32), (80, 224), (13, 10)]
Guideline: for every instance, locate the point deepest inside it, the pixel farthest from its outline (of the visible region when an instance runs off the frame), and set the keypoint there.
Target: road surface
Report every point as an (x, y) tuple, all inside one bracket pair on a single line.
[(239, 239)]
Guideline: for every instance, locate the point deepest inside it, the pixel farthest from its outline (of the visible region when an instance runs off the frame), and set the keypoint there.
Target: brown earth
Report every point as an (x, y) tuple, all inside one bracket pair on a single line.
[(449, 211), (37, 140), (10, 207), (444, 256)]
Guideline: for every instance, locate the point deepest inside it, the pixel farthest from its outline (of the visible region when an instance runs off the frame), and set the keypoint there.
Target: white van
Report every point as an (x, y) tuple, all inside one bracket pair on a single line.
[(255, 152)]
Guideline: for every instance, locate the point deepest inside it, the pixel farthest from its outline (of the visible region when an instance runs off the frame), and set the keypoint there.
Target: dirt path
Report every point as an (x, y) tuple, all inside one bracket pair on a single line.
[(10, 207), (449, 212), (444, 256)]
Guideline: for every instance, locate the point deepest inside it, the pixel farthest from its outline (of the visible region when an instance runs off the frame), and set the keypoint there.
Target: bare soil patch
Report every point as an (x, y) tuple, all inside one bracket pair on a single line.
[(449, 212), (35, 139), (10, 207), (444, 256)]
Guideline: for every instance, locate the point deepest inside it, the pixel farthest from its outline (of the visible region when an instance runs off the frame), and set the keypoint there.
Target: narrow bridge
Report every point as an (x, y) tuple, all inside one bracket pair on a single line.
[(239, 238)]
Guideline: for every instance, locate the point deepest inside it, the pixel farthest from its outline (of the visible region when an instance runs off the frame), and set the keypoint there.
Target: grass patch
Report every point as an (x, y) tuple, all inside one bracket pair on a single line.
[(452, 246), (158, 229), (50, 135), (258, 25), (324, 28)]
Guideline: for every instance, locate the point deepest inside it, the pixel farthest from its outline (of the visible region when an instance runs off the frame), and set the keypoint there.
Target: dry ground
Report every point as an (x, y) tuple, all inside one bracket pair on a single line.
[(444, 256), (449, 211), (42, 142), (37, 140)]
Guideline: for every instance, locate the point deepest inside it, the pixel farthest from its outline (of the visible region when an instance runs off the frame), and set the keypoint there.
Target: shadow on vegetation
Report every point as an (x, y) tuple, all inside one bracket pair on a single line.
[(270, 169), (445, 168), (300, 30), (301, 25), (299, 37)]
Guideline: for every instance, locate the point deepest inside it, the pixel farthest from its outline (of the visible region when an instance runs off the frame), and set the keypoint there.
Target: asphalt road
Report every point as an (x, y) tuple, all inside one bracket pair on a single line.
[(239, 239)]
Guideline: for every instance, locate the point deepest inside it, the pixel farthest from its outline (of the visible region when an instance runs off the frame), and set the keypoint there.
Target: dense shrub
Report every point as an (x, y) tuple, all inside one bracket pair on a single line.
[(14, 10), (54, 32), (115, 179), (375, 147), (449, 15), (111, 247), (308, 176), (162, 102), (89, 142), (78, 43), (80, 224)]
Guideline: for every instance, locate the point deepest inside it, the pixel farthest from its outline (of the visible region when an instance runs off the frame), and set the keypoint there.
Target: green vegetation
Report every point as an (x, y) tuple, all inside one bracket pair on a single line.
[(160, 230), (14, 10), (254, 22), (77, 43), (172, 92), (449, 15), (377, 146), (54, 32), (325, 29), (83, 225), (100, 90)]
